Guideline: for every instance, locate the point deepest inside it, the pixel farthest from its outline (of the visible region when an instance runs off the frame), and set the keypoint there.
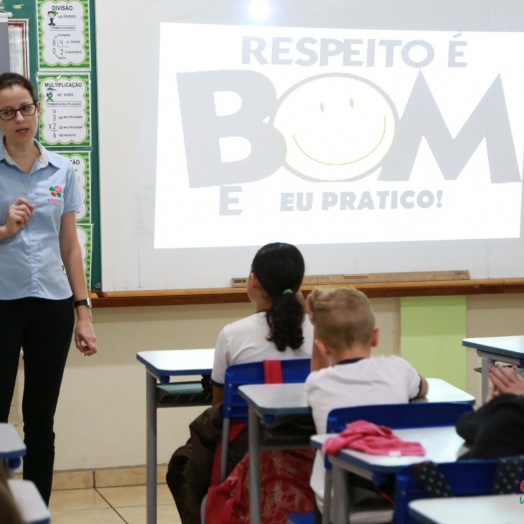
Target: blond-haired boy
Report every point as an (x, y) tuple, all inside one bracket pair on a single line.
[(342, 372)]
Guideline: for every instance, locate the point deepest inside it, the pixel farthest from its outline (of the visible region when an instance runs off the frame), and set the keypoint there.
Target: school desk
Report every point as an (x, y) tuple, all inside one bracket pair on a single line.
[(160, 366), (30, 504), (492, 349), (267, 401), (12, 448), (488, 509), (442, 444)]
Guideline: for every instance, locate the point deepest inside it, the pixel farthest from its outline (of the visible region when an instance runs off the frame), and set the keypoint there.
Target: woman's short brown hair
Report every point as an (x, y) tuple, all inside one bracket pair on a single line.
[(9, 80)]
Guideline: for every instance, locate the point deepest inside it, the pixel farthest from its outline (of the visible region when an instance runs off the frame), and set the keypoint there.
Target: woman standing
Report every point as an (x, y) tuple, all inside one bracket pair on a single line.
[(38, 199)]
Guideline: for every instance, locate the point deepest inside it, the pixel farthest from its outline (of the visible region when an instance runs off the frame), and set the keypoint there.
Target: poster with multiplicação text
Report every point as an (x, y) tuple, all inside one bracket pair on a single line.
[(66, 106), (63, 34)]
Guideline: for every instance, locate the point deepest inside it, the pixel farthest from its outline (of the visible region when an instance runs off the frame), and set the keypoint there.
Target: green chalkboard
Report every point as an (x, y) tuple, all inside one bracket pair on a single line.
[(28, 11)]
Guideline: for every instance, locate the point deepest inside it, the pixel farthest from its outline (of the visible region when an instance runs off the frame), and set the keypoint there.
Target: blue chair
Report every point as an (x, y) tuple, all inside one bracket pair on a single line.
[(465, 478), (235, 407), (399, 416), (394, 416)]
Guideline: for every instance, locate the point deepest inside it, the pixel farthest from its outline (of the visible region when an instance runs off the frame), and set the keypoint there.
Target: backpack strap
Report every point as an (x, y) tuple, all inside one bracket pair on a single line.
[(272, 371)]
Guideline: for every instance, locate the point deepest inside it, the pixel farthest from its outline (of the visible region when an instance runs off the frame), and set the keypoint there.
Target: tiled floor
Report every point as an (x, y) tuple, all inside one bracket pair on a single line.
[(110, 506)]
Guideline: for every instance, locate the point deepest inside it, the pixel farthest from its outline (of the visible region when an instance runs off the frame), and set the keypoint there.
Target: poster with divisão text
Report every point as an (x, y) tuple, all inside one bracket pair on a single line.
[(63, 34)]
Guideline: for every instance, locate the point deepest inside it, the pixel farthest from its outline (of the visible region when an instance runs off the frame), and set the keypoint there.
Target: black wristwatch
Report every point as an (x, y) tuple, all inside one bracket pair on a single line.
[(83, 302)]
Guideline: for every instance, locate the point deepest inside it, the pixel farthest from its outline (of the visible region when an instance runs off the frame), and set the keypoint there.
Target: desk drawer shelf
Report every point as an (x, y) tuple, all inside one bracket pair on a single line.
[(183, 394)]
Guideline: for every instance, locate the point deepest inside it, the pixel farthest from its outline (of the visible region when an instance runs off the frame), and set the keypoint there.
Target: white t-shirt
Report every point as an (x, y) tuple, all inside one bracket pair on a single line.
[(381, 380), (246, 341)]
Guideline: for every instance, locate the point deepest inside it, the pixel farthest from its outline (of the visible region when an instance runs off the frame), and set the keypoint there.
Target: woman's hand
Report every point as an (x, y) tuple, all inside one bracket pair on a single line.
[(506, 380), (17, 217), (85, 338)]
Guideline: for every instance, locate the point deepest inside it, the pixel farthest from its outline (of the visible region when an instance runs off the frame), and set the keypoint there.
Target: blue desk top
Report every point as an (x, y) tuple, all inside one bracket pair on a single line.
[(441, 391), (30, 504), (11, 445), (276, 399), (485, 509), (290, 399), (442, 444), (177, 362), (503, 346)]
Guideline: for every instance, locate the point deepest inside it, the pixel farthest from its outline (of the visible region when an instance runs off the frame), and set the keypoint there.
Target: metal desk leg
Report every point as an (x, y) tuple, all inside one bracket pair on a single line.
[(340, 501), (328, 487), (151, 458), (254, 467), (486, 362)]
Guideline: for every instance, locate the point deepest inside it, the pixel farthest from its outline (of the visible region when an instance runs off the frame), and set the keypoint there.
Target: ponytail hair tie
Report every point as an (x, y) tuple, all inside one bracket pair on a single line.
[(287, 292)]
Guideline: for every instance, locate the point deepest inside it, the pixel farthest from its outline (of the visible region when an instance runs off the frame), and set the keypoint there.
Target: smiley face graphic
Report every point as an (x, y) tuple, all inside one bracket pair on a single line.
[(336, 127)]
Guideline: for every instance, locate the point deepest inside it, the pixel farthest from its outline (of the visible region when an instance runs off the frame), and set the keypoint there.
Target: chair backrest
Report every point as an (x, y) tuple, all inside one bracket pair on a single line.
[(293, 370), (466, 478), (399, 416)]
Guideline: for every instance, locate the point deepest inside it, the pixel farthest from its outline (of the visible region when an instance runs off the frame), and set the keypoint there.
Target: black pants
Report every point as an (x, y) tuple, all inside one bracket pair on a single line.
[(43, 328)]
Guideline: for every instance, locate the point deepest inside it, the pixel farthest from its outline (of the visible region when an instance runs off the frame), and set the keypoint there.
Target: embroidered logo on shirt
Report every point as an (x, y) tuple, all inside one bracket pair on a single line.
[(56, 191)]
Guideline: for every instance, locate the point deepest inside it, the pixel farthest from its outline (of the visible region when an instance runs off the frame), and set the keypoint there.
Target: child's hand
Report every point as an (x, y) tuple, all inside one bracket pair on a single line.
[(492, 391), (506, 380)]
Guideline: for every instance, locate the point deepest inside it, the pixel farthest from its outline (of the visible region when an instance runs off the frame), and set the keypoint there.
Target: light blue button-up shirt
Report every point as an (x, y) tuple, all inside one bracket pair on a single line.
[(30, 261)]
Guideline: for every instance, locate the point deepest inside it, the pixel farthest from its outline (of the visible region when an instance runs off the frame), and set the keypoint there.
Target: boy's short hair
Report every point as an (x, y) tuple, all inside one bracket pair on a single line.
[(342, 316)]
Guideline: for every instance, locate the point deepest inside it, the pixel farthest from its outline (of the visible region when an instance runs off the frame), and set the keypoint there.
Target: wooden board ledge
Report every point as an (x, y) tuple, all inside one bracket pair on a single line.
[(170, 297)]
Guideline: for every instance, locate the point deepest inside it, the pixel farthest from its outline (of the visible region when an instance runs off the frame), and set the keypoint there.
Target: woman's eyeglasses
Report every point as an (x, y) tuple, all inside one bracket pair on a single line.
[(26, 110)]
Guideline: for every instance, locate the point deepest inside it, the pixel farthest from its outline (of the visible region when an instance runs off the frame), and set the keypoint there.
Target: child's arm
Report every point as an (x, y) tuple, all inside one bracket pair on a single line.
[(423, 387), (218, 395), (220, 363)]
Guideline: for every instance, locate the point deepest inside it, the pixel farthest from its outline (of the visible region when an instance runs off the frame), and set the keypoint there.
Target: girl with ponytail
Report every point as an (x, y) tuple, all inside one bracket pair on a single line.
[(279, 329)]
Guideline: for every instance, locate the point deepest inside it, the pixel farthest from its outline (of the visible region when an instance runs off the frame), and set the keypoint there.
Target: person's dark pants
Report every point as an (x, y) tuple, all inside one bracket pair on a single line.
[(43, 329)]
